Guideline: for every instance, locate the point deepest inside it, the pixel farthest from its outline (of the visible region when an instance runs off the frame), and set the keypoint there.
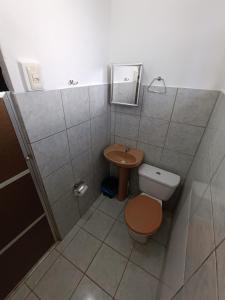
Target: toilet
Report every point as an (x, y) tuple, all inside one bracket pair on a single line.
[(143, 213)]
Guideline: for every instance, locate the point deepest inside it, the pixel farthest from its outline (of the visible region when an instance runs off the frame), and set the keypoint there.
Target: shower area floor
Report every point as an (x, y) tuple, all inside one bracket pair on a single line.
[(98, 260)]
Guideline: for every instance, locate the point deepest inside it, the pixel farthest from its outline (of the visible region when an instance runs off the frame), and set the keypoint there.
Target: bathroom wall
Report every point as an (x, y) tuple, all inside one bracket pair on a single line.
[(196, 252), (168, 128), (179, 40), (68, 130), (68, 38)]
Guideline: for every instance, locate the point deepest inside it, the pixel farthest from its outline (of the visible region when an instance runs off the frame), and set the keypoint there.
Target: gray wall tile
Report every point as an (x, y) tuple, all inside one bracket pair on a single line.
[(98, 99), (218, 201), (178, 163), (76, 105), (42, 113), (127, 126), (205, 228), (112, 139), (66, 213), (152, 154), (174, 264), (79, 138), (59, 183), (194, 106), (200, 235), (112, 122), (184, 138), (99, 131), (127, 142), (216, 135), (51, 153), (159, 105), (82, 165), (203, 284), (153, 131), (100, 166), (90, 196)]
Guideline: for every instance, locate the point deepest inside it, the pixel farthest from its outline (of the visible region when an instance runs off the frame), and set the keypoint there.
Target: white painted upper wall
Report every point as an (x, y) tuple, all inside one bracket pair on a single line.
[(181, 40), (68, 37)]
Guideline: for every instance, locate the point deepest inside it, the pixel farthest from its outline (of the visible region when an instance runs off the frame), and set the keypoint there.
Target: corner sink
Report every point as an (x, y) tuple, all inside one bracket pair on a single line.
[(125, 159)]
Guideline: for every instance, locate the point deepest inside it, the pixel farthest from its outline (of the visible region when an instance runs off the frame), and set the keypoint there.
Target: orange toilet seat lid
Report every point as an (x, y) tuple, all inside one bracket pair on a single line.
[(143, 214)]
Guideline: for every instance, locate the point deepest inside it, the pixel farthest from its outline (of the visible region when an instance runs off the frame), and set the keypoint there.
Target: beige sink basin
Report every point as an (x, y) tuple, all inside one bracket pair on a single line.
[(117, 154)]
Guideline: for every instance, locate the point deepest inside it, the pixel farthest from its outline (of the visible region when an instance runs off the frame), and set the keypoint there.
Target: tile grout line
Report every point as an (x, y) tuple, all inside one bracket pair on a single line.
[(56, 170), (149, 273), (102, 243), (169, 124), (211, 179), (204, 132), (85, 272), (46, 271), (128, 260), (70, 154), (46, 137), (161, 119), (201, 265), (69, 241), (140, 116)]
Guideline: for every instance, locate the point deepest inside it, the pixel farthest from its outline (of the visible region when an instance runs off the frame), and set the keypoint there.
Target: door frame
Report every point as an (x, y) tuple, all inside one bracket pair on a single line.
[(26, 148)]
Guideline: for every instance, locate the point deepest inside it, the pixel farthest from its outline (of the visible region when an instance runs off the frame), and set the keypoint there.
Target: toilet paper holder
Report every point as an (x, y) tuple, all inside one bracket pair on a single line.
[(80, 188)]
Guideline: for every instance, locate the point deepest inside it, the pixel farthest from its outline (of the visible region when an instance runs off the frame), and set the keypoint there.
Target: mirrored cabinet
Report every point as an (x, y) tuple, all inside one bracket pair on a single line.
[(125, 84)]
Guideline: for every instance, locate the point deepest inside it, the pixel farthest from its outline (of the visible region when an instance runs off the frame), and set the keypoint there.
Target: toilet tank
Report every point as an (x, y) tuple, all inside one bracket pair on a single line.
[(156, 182)]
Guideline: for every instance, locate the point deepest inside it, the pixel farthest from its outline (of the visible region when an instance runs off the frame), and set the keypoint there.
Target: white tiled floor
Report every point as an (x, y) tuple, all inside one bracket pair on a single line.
[(98, 260)]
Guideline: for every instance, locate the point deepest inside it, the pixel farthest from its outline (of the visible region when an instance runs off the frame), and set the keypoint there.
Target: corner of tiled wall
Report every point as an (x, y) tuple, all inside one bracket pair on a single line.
[(68, 130), (202, 235), (167, 127)]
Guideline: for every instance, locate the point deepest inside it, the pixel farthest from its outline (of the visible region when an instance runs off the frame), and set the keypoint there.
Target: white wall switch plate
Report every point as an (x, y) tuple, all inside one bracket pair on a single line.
[(31, 75)]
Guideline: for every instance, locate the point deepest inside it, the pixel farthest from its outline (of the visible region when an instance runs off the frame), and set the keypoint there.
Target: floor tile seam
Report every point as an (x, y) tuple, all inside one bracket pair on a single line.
[(199, 267), (98, 285), (107, 235), (94, 210), (114, 295), (29, 274), (94, 236), (105, 213), (74, 291), (147, 272), (86, 271), (69, 241), (34, 294), (105, 242), (32, 290), (74, 264), (128, 260), (46, 271)]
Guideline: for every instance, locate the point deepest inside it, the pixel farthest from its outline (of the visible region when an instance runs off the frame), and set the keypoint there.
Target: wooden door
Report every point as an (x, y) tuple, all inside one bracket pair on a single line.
[(25, 234)]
